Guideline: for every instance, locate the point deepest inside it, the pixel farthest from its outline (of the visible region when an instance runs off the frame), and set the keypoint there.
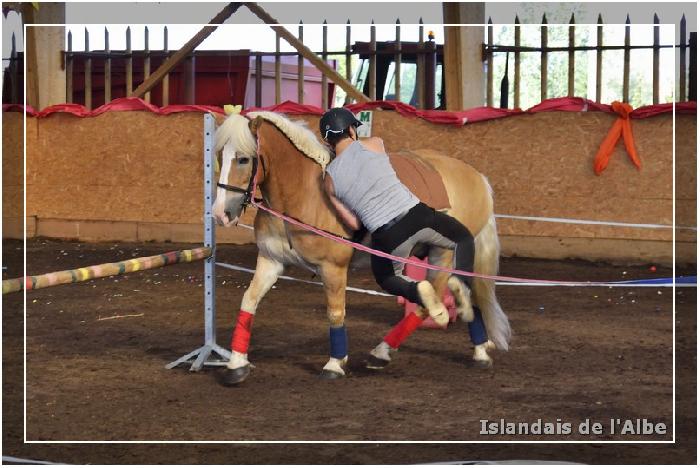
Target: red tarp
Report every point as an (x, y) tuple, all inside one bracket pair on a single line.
[(459, 118)]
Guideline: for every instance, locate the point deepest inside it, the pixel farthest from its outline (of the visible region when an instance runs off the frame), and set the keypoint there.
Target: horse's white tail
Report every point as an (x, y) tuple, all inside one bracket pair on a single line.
[(486, 262)]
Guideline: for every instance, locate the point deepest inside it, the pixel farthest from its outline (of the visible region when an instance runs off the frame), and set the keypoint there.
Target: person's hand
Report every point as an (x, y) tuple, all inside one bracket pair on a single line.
[(358, 235)]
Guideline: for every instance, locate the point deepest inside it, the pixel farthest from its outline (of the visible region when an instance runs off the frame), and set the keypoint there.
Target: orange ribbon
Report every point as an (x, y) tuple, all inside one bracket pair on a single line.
[(620, 127)]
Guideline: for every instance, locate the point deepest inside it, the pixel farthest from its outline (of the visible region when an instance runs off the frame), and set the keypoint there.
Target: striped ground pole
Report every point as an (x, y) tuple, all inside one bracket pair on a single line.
[(106, 269)]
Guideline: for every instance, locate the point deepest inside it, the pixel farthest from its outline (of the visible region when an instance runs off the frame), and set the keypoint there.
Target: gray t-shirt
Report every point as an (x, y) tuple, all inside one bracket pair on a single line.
[(366, 183)]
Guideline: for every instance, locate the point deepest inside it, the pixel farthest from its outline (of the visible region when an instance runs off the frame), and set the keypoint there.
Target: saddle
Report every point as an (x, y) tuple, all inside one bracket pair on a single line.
[(421, 178)]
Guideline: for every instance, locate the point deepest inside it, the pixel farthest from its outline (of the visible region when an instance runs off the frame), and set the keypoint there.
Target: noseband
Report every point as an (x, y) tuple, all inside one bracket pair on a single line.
[(247, 192)]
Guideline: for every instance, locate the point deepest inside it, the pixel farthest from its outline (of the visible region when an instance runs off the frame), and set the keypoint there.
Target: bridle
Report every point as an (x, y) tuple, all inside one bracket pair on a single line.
[(248, 193)]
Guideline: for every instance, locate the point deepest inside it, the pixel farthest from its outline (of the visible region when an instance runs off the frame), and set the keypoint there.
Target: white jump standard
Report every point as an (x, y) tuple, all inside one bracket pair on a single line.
[(203, 356)]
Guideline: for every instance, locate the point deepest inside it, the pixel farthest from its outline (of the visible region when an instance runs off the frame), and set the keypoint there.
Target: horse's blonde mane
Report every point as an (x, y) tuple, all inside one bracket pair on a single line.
[(235, 128), (299, 134)]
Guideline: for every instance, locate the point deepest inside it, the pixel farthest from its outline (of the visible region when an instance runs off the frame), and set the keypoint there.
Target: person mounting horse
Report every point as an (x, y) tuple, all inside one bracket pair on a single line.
[(367, 194)]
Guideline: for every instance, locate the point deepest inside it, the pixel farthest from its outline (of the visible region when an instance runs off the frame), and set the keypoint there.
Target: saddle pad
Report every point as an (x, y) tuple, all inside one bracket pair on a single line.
[(421, 178)]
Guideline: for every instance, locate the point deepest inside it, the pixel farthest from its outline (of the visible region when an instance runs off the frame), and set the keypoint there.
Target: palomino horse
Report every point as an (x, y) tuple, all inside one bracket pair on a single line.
[(288, 162)]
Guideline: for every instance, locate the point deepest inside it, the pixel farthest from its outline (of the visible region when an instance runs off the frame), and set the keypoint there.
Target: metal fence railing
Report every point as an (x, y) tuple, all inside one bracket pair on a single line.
[(686, 68)]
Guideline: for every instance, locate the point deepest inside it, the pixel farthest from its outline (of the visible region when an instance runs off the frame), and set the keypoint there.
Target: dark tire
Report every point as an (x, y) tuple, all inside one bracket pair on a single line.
[(233, 377)]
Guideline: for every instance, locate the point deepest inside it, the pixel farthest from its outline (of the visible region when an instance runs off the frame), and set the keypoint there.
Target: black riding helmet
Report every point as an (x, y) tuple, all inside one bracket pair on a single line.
[(336, 121)]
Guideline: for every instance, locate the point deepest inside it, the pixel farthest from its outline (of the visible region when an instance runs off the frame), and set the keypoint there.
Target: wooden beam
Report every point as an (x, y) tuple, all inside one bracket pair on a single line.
[(44, 53), (307, 53), (175, 59), (463, 64)]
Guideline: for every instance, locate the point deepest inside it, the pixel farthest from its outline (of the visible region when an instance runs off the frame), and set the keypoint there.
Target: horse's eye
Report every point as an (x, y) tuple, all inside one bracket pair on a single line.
[(243, 161)]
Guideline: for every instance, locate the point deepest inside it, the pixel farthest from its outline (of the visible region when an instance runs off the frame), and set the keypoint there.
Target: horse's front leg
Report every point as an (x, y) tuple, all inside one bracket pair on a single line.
[(266, 273), (334, 281)]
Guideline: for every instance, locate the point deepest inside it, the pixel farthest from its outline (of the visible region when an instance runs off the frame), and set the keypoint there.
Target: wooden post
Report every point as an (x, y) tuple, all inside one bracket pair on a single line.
[(692, 68), (108, 70), (258, 80), (278, 69), (348, 58), (44, 52), (681, 67), (300, 67), (599, 60), (146, 63), (172, 61), (372, 75), (88, 72), (489, 63), (397, 62), (129, 63), (516, 65), (543, 59), (189, 66), (69, 66), (463, 62), (420, 66), (306, 52), (324, 78), (626, 64), (572, 57), (14, 72), (165, 100), (655, 52), (430, 70)]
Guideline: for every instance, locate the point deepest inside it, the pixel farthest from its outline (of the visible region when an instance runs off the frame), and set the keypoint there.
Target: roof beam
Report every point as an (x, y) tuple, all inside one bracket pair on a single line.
[(307, 53), (175, 59)]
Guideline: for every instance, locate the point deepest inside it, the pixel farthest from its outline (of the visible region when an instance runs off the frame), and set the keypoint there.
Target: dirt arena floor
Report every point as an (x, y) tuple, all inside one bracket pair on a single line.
[(96, 353)]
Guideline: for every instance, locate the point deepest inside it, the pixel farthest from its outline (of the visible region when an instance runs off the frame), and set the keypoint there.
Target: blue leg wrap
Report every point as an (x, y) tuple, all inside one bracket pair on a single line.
[(477, 329), (339, 342)]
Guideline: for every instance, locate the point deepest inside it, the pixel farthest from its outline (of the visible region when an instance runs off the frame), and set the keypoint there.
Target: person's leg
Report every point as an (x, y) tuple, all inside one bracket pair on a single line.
[(386, 277), (399, 242), (449, 227), (458, 233)]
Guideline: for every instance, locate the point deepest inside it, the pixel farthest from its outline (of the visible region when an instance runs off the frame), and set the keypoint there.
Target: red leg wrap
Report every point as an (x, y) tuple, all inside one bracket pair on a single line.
[(241, 334), (403, 330)]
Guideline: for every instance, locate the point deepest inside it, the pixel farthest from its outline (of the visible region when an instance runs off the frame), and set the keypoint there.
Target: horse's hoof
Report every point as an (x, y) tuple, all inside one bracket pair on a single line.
[(436, 309), (376, 363), (236, 376), (482, 363), (330, 375)]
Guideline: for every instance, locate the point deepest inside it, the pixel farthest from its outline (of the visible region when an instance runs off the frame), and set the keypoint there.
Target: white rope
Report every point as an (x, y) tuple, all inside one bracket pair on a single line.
[(291, 278), (26, 461), (380, 293), (592, 222), (573, 221)]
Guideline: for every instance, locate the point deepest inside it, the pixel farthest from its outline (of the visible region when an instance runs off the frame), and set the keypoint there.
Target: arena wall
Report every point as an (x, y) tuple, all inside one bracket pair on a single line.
[(137, 176)]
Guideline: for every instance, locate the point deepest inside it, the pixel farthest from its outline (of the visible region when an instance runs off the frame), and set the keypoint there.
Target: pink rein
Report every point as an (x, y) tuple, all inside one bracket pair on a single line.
[(394, 258)]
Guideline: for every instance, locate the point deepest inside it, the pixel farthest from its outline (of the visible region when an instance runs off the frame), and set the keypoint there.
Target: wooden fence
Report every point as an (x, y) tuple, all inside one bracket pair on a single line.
[(686, 68), (426, 54)]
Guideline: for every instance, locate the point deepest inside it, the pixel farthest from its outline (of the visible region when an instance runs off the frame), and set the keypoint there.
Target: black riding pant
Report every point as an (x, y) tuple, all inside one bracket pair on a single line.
[(420, 225)]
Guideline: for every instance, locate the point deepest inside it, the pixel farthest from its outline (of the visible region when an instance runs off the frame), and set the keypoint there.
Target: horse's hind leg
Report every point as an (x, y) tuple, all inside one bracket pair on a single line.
[(266, 273), (335, 279), (463, 302)]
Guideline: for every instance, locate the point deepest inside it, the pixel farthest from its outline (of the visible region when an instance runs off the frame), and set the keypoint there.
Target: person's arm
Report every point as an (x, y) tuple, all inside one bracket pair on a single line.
[(347, 216)]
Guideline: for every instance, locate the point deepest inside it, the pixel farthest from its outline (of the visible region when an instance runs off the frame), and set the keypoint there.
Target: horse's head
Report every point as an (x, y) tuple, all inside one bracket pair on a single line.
[(235, 151)]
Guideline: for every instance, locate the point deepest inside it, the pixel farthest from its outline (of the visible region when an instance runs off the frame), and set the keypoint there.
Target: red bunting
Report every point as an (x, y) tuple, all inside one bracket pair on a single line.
[(458, 118)]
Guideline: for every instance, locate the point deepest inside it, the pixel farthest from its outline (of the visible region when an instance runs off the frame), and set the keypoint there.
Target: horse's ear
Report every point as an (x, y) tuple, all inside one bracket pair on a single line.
[(254, 124)]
